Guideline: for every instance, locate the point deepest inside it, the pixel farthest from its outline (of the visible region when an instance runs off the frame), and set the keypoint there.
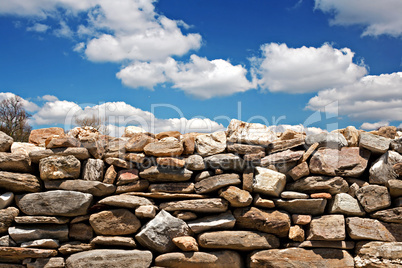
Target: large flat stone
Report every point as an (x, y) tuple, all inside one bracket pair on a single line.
[(378, 254), (125, 201), (39, 136), (138, 141), (59, 167), (16, 254), (237, 197), (318, 184), (213, 222), (216, 259), (15, 162), (41, 220), (210, 144), (267, 181), (165, 174), (227, 161), (55, 203), (370, 229), (303, 206), (208, 205), (239, 148), (113, 241), (282, 145), (329, 140), (157, 234), (216, 182), (344, 203), (374, 143), (29, 233), (114, 222), (178, 187), (327, 228), (249, 133), (373, 197), (322, 244), (164, 148), (19, 182), (111, 258), (389, 215), (96, 188)]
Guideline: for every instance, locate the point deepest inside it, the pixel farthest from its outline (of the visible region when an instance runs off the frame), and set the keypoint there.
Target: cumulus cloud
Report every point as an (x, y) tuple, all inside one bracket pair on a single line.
[(376, 125), (371, 98), (28, 105), (38, 27), (378, 17), (305, 69)]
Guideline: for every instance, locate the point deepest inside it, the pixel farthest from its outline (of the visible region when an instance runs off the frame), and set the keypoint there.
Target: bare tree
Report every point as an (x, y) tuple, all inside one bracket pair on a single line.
[(14, 119), (92, 121)]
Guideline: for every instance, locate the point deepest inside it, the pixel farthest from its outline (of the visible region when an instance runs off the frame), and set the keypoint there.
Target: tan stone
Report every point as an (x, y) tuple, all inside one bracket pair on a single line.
[(143, 212), (373, 197), (164, 148), (299, 171), (249, 133), (39, 136), (167, 134), (327, 228), (166, 174), (110, 175), (61, 142), (216, 259), (322, 244), (210, 144), (135, 157), (387, 132), (300, 219), (370, 229), (208, 205), (282, 145), (247, 179), (117, 162), (237, 197), (125, 201), (7, 216), (19, 182), (59, 167), (81, 232), (113, 241), (15, 163), (309, 152), (138, 141), (296, 233), (302, 206), (216, 182), (351, 135), (185, 215), (186, 243), (179, 187), (170, 162), (114, 222), (15, 254), (74, 247)]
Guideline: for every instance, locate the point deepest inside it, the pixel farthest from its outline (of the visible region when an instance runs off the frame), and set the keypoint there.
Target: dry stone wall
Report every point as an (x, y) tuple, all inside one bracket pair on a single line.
[(246, 197)]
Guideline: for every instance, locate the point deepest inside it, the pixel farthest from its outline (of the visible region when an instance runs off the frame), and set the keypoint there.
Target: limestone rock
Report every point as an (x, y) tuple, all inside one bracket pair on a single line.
[(296, 233), (299, 171), (111, 258), (396, 145), (345, 204), (213, 222), (389, 215), (348, 162), (382, 170), (301, 219), (327, 228), (378, 254), (129, 131), (55, 203), (110, 175), (186, 243), (216, 259), (216, 182), (138, 141), (113, 241), (370, 229), (61, 142), (24, 148), (40, 220), (15, 162), (185, 215), (7, 217), (134, 157), (15, 254), (195, 162), (282, 158), (147, 211), (6, 199), (352, 136), (29, 233), (249, 133), (302, 206), (293, 195), (39, 136), (373, 197), (374, 143), (239, 148), (41, 243), (173, 162), (163, 174), (208, 205), (117, 162), (158, 233), (210, 144), (179, 187), (114, 222), (282, 145), (5, 142), (268, 182), (95, 188), (273, 222), (321, 195), (74, 247), (125, 201), (59, 167), (314, 184), (237, 197), (167, 134), (164, 148), (299, 257), (115, 148), (225, 162), (93, 170), (387, 132), (329, 140)]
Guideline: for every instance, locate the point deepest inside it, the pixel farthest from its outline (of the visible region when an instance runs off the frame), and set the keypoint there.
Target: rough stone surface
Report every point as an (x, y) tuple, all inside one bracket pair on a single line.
[(302, 206), (210, 144), (93, 170), (158, 233), (213, 222), (299, 171), (282, 158), (216, 259), (195, 162), (273, 222), (74, 247), (6, 199), (370, 229), (237, 197), (16, 254), (41, 243), (378, 254), (110, 175), (163, 174), (374, 143), (300, 219), (249, 133), (268, 182), (329, 140), (214, 183), (321, 195), (180, 187), (396, 145), (55, 203), (314, 184), (140, 185), (323, 244), (61, 142), (15, 162), (24, 148), (40, 220), (5, 142), (81, 232), (164, 148), (54, 262), (113, 241), (39, 136), (186, 243), (29, 233), (352, 136), (293, 195), (95, 188), (147, 211), (125, 201), (373, 197), (388, 132), (208, 205), (225, 162), (138, 141), (296, 233), (117, 162), (127, 176), (19, 182), (327, 228), (282, 145), (347, 205), (389, 215), (382, 170), (111, 258), (114, 222), (59, 167), (7, 217), (134, 157), (239, 148)]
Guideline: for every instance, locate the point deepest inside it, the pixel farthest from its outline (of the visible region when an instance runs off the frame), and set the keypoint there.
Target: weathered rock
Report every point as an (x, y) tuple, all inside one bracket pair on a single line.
[(382, 170), (396, 145), (293, 195), (398, 169), (185, 215), (15, 162), (203, 175), (221, 221), (114, 222), (125, 201), (301, 219), (41, 243), (95, 188), (348, 161), (374, 143), (59, 167), (54, 262), (129, 131), (74, 247), (282, 158), (352, 136), (254, 159), (302, 206), (387, 132), (167, 134), (210, 144), (163, 174), (268, 182), (188, 141), (113, 241), (314, 184), (147, 211), (55, 203), (239, 148), (389, 215), (93, 170), (94, 145), (157, 234), (173, 162), (24, 148), (370, 229), (186, 243), (208, 205), (127, 176), (327, 228), (299, 171), (296, 233), (15, 254), (7, 217), (81, 232), (110, 175), (237, 197), (28, 233), (6, 199), (138, 141), (262, 202), (5, 142), (214, 183), (39, 136), (273, 222), (373, 197), (78, 152), (135, 158), (19, 182), (40, 220), (323, 244), (225, 162), (61, 142), (195, 162), (378, 254), (282, 145), (345, 204), (329, 140), (238, 240), (117, 162), (140, 185), (164, 148), (313, 147), (249, 133), (115, 148), (395, 188), (179, 187), (216, 259), (299, 257), (111, 258)]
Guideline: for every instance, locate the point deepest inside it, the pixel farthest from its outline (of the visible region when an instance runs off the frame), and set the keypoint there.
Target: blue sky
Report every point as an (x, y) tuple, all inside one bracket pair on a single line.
[(191, 65)]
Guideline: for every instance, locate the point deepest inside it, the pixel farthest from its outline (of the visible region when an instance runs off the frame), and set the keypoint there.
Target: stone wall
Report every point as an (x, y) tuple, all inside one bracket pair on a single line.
[(246, 197)]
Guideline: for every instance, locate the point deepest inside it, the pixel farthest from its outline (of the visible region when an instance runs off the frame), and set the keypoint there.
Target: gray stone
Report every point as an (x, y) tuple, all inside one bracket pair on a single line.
[(216, 182), (114, 222), (370, 229), (239, 148), (373, 197), (125, 201), (396, 145), (381, 171), (238, 240), (378, 254), (6, 199), (216, 259), (59, 167), (15, 162), (208, 205), (165, 174), (55, 203), (29, 233), (227, 161), (268, 182), (282, 145), (41, 243), (389, 215), (249, 133), (345, 204), (302, 206), (95, 188), (138, 186), (327, 228), (195, 162), (111, 258), (318, 184), (329, 140), (282, 158), (294, 195), (5, 142), (374, 143), (210, 144), (157, 234), (213, 222), (7, 217), (19, 182), (93, 170)]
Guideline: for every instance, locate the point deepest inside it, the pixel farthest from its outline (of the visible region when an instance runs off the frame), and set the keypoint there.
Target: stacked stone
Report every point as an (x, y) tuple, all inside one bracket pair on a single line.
[(244, 197)]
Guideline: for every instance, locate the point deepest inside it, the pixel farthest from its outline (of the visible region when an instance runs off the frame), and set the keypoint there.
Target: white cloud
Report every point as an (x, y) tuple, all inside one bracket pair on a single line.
[(63, 31), (49, 98), (305, 69), (28, 105), (371, 98), (377, 16), (371, 126), (38, 27), (79, 47), (54, 112)]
